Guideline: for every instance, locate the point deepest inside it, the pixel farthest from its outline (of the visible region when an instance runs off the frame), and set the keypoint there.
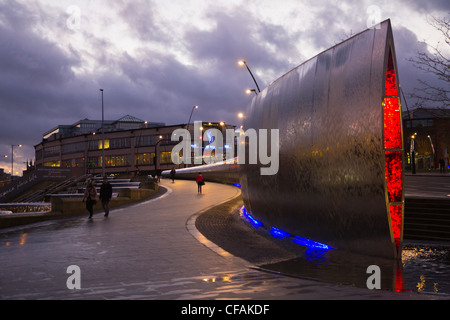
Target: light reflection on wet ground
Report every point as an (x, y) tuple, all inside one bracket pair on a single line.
[(426, 269), (423, 269)]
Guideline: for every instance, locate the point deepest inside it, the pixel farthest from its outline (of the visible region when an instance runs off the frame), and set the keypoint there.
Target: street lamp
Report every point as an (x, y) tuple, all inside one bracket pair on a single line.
[(413, 154), (103, 138), (12, 159), (243, 63), (156, 153), (189, 121), (248, 91), (190, 116), (432, 146)]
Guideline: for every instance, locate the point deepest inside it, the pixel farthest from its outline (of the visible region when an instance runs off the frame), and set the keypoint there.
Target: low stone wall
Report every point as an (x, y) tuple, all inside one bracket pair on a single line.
[(25, 207), (21, 219), (67, 207), (73, 206)]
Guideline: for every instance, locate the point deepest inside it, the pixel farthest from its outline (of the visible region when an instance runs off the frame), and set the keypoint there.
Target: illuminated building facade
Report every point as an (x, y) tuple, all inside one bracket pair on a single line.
[(427, 132), (131, 146)]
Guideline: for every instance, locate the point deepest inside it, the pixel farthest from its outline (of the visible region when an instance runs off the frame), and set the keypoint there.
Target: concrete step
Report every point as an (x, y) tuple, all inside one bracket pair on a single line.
[(427, 219)]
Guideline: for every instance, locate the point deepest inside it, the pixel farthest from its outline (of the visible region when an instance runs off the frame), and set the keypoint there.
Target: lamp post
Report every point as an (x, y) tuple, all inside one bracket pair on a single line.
[(243, 63), (190, 116), (103, 138), (5, 156), (12, 159), (432, 149), (240, 132), (413, 154), (189, 121), (241, 116), (248, 91), (432, 146), (156, 153)]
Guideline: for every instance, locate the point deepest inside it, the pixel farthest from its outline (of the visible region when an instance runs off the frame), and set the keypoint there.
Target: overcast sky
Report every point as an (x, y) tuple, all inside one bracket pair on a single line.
[(156, 59)]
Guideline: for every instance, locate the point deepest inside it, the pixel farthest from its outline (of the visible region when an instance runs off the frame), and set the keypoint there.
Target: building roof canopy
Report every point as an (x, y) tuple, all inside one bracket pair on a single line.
[(426, 113)]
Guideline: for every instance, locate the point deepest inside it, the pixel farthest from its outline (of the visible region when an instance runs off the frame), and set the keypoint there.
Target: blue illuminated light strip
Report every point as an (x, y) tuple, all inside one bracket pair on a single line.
[(252, 220), (310, 243), (280, 234)]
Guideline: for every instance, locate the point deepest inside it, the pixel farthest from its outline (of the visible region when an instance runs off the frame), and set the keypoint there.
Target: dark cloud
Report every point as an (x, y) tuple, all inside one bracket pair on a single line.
[(41, 84), (407, 47), (240, 35), (37, 86), (429, 6), (143, 20)]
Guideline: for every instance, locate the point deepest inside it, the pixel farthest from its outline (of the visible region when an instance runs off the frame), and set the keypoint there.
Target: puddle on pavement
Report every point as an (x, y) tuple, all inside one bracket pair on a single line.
[(423, 269)]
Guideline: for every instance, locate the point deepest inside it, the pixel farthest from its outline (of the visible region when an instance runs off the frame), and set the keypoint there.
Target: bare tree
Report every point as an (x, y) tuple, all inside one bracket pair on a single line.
[(437, 63)]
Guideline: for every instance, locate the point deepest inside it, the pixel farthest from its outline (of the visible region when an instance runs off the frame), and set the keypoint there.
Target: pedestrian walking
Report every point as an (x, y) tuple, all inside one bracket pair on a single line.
[(200, 182), (90, 195), (158, 175), (172, 174), (105, 195)]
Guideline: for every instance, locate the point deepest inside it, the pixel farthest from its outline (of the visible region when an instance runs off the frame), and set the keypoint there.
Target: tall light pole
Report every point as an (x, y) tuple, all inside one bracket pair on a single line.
[(432, 146), (413, 154), (243, 63), (190, 116), (103, 138), (189, 121), (12, 159)]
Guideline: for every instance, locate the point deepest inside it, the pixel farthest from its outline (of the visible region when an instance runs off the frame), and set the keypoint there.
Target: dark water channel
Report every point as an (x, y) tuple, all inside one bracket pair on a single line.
[(424, 268)]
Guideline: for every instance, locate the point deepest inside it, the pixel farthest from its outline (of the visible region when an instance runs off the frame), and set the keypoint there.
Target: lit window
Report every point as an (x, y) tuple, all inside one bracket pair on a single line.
[(100, 144)]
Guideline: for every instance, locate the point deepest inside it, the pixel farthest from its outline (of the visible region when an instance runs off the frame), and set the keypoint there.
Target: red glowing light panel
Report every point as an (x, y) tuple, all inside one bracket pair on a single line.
[(396, 221), (393, 152), (392, 129), (399, 287), (391, 83), (394, 169)]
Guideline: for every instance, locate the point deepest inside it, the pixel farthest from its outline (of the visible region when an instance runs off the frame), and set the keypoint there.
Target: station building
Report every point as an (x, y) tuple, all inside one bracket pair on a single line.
[(427, 132), (132, 146)]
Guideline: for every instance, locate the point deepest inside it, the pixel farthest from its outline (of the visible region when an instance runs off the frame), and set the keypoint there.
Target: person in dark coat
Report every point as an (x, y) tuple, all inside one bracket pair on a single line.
[(105, 195), (90, 195)]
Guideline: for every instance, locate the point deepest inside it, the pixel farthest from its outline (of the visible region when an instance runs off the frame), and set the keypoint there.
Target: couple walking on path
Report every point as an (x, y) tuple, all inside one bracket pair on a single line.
[(90, 196)]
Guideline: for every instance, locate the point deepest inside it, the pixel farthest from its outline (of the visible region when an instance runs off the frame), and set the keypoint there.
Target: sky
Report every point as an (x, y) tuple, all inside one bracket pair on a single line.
[(156, 59)]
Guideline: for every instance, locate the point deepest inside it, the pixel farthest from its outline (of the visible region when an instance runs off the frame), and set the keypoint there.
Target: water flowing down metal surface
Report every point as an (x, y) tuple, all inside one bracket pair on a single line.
[(340, 177)]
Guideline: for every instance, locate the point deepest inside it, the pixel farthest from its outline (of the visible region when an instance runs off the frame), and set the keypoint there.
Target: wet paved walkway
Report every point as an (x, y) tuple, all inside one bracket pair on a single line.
[(146, 251)]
